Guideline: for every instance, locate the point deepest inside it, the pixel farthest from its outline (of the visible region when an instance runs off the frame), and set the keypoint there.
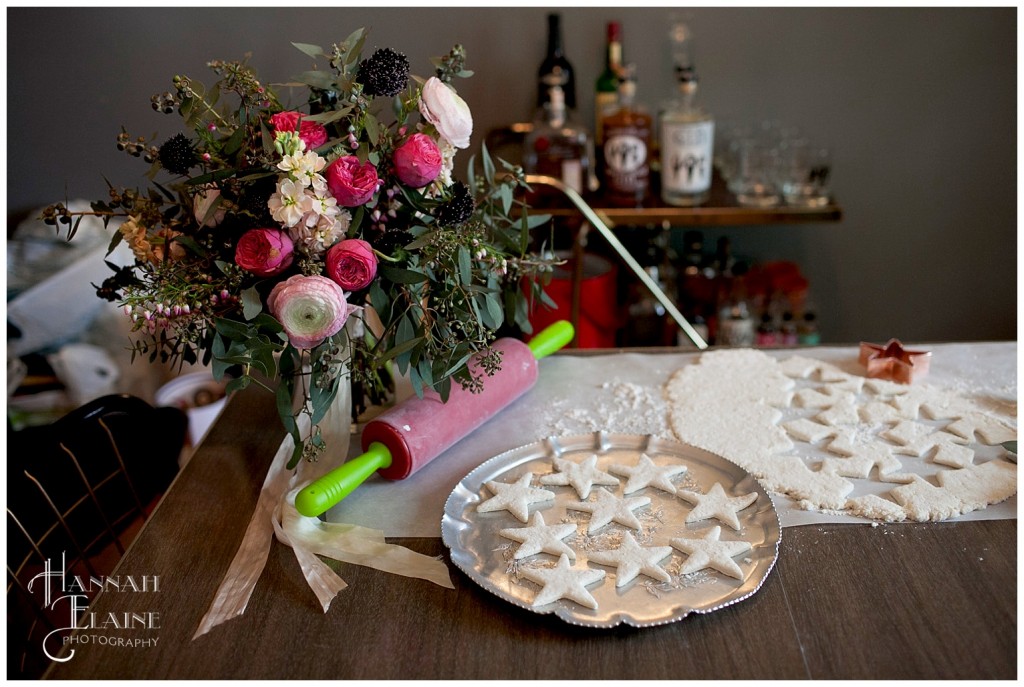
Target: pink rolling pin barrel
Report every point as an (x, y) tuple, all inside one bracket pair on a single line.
[(420, 429)]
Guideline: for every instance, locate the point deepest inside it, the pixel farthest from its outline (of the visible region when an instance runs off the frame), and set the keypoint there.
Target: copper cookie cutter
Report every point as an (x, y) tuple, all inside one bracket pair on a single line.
[(893, 361)]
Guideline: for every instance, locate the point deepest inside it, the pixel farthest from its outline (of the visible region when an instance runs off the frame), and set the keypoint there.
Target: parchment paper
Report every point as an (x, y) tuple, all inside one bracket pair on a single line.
[(624, 391)]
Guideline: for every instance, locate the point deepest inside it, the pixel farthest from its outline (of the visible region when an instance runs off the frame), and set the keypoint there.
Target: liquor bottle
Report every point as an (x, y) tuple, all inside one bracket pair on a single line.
[(606, 90), (557, 146), (686, 133), (626, 149), (555, 69)]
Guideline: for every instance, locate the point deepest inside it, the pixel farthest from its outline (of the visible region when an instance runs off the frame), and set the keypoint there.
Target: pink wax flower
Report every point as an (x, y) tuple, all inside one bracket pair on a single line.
[(417, 161), (312, 134), (352, 183), (310, 308), (264, 252), (352, 264), (441, 106)]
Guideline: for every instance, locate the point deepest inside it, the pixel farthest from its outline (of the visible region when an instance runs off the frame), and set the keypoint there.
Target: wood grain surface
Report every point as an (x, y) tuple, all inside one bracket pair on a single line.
[(844, 601)]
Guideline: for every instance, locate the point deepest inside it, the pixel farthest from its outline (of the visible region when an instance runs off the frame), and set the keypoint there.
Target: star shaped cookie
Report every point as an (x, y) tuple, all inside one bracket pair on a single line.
[(515, 498), (710, 552), (646, 474), (563, 582), (541, 537), (716, 504), (580, 476), (608, 507), (632, 559)]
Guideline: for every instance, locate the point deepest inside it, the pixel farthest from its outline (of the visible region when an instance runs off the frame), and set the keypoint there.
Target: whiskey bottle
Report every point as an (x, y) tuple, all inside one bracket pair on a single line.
[(606, 90), (557, 146), (556, 67), (686, 133), (626, 149)]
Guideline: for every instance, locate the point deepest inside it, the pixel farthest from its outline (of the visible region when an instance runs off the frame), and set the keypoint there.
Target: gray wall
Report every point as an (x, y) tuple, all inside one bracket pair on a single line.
[(918, 106)]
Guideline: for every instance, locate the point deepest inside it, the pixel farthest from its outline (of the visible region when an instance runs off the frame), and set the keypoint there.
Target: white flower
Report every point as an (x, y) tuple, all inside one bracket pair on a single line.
[(305, 167), (323, 232), (290, 203), (450, 115)]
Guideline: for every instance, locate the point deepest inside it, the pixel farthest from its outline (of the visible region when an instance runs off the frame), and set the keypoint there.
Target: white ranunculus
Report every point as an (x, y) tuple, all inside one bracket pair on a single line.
[(450, 115)]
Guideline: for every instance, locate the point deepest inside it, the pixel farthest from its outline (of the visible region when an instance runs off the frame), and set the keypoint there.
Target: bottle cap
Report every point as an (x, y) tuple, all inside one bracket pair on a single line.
[(614, 32)]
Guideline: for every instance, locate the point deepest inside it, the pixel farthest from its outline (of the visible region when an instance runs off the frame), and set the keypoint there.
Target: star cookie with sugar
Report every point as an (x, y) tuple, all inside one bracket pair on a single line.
[(717, 504), (608, 507), (646, 474), (580, 476), (541, 537), (631, 559), (710, 552), (563, 582), (515, 498)]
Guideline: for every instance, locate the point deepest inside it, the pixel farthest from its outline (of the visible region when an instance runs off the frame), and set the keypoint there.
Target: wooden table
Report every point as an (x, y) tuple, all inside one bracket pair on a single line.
[(844, 601)]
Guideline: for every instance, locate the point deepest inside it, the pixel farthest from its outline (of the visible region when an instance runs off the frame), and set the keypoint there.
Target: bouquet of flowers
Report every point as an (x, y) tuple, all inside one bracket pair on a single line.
[(316, 244)]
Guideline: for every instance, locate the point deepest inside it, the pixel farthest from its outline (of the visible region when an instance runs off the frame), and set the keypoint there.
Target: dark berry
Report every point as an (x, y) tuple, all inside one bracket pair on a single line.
[(458, 209), (385, 72), (177, 154)]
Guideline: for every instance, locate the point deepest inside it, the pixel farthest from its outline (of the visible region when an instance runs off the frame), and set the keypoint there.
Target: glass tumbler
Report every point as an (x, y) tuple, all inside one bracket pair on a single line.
[(757, 174), (806, 169)]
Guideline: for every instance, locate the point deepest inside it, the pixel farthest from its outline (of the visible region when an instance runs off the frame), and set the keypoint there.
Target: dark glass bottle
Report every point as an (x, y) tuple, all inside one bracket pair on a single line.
[(555, 70)]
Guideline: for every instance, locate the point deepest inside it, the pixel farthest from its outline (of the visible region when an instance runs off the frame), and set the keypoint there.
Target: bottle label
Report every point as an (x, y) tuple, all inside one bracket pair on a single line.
[(686, 156), (625, 160)]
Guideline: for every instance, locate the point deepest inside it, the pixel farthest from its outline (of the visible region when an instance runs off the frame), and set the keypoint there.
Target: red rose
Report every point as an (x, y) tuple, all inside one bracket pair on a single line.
[(352, 183), (312, 134), (417, 161), (264, 252), (351, 264)]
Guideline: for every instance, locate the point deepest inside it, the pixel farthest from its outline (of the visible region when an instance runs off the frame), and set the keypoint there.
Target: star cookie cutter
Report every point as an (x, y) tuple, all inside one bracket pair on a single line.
[(893, 361)]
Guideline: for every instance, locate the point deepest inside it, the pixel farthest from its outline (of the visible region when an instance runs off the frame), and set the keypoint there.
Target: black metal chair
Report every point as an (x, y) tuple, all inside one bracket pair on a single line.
[(78, 490)]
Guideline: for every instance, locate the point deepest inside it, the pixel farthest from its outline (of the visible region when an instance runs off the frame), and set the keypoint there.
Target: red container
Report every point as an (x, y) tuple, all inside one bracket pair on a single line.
[(600, 315)]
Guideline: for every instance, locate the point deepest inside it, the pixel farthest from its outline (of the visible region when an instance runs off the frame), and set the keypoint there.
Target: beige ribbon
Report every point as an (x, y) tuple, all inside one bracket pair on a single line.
[(309, 538)]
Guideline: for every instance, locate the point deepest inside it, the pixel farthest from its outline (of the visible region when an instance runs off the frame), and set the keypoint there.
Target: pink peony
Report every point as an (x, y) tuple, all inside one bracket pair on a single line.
[(264, 252), (352, 264), (310, 308), (441, 106), (417, 161), (312, 134), (351, 182)]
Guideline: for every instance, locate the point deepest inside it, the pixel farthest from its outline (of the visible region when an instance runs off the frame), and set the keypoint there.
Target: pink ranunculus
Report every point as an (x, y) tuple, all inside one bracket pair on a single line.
[(352, 264), (417, 161), (441, 106), (352, 183), (312, 134), (264, 252), (310, 308)]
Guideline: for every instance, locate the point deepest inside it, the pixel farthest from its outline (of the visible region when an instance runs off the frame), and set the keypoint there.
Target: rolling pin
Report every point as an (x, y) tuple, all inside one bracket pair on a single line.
[(405, 438)]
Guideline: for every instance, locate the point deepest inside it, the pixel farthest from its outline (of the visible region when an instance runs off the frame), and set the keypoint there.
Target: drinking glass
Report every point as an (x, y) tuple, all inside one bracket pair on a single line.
[(757, 174), (806, 168)]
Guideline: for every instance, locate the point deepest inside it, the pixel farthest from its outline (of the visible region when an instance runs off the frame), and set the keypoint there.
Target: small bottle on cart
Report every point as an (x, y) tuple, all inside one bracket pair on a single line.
[(627, 145)]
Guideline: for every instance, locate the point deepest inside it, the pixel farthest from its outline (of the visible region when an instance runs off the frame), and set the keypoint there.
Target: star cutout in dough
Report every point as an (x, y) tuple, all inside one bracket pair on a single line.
[(632, 559), (541, 537), (563, 582), (710, 552), (515, 498), (716, 504), (580, 476), (646, 474), (609, 507)]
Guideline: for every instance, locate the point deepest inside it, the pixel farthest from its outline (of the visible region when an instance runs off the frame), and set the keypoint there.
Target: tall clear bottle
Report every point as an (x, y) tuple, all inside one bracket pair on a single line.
[(556, 67), (686, 132)]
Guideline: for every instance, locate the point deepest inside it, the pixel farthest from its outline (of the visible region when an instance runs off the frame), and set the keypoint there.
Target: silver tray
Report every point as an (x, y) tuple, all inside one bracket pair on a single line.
[(487, 558)]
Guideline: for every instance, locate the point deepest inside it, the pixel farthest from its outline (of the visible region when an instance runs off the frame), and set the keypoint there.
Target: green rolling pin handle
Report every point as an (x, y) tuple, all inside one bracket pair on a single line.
[(551, 338), (331, 488)]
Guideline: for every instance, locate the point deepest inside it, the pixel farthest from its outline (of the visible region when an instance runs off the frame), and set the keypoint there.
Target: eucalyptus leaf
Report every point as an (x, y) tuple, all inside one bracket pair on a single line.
[(465, 266), (322, 80), (402, 276), (313, 51), (237, 384), (252, 305)]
